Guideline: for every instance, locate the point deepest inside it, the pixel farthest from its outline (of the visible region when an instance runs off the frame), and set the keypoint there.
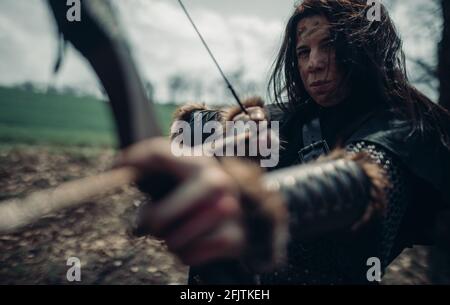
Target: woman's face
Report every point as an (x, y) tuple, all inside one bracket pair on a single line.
[(317, 61)]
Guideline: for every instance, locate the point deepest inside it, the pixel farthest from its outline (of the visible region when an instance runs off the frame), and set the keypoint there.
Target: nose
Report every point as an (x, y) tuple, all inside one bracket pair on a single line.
[(317, 61)]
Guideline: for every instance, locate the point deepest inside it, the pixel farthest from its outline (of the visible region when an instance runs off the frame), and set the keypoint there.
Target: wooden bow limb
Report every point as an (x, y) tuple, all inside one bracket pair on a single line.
[(19, 212)]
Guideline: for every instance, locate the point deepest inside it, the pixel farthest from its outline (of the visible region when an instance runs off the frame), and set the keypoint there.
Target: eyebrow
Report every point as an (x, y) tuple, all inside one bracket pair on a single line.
[(307, 33), (310, 31), (326, 38)]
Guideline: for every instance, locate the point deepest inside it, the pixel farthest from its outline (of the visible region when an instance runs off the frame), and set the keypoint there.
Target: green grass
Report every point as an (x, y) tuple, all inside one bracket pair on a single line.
[(56, 119)]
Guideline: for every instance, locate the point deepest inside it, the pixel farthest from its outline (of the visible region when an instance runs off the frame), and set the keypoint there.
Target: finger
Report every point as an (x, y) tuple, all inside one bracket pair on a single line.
[(151, 155), (155, 156), (231, 141), (205, 220), (225, 242), (256, 114), (188, 197), (241, 117)]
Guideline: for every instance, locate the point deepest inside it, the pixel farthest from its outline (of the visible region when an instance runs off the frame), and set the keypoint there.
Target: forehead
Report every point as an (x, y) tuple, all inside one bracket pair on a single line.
[(310, 27)]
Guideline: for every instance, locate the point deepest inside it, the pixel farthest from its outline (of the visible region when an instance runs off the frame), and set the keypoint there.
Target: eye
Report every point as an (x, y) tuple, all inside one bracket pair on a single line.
[(302, 53), (328, 44)]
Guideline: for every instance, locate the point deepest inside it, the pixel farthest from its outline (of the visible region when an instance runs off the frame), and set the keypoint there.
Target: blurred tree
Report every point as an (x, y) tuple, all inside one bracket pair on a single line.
[(28, 86), (51, 89), (243, 84), (69, 90), (177, 84), (422, 59), (198, 89)]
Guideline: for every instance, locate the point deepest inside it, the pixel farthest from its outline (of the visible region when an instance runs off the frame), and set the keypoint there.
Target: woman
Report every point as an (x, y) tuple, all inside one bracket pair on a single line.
[(339, 81)]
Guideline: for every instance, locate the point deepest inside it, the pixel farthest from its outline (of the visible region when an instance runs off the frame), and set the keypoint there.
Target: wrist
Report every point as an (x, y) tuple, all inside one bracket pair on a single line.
[(265, 216)]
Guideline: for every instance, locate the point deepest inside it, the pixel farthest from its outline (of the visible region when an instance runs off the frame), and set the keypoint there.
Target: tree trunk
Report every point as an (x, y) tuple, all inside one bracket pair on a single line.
[(444, 57)]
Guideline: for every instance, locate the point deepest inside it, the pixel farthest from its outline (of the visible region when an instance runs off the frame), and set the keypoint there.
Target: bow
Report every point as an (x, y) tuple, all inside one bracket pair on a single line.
[(98, 37), (100, 40)]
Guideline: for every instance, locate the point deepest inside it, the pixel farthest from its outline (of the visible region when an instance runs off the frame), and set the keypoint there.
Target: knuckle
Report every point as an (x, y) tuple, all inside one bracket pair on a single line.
[(225, 241), (228, 207), (241, 117), (215, 180)]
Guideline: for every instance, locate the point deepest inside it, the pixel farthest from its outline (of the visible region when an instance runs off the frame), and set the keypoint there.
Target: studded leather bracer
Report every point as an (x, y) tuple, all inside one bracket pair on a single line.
[(318, 197), (338, 192)]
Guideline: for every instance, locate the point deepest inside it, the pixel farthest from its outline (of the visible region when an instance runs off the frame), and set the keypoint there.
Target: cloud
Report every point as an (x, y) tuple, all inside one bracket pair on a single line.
[(165, 44), (28, 48)]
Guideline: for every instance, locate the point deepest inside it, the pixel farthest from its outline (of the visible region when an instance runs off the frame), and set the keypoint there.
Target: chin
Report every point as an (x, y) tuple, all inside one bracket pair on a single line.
[(326, 102)]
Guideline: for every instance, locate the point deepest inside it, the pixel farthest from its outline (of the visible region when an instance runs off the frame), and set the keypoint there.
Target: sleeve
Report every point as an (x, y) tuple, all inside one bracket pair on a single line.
[(398, 196), (344, 192)]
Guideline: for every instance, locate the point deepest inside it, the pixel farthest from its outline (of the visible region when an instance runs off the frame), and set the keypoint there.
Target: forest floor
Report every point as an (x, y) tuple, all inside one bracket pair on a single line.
[(97, 232)]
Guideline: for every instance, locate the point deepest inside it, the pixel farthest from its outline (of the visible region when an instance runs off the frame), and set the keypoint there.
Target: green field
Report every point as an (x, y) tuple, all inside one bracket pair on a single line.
[(56, 119)]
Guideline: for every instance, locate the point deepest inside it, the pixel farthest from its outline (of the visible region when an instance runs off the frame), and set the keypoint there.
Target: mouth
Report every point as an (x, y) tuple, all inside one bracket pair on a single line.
[(319, 83), (320, 87)]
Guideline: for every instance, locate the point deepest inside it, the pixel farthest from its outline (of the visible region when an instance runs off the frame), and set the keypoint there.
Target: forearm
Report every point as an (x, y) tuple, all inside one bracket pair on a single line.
[(338, 193)]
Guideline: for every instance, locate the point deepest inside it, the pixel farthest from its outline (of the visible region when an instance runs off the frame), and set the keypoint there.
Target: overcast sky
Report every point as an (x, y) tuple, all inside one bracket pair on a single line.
[(241, 33)]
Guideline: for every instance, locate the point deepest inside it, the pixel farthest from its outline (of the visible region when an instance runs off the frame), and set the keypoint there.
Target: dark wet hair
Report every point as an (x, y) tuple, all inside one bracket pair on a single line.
[(370, 55)]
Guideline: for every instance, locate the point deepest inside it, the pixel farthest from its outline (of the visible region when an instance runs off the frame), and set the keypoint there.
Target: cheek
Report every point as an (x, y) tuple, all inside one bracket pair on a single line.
[(302, 70), (333, 67)]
